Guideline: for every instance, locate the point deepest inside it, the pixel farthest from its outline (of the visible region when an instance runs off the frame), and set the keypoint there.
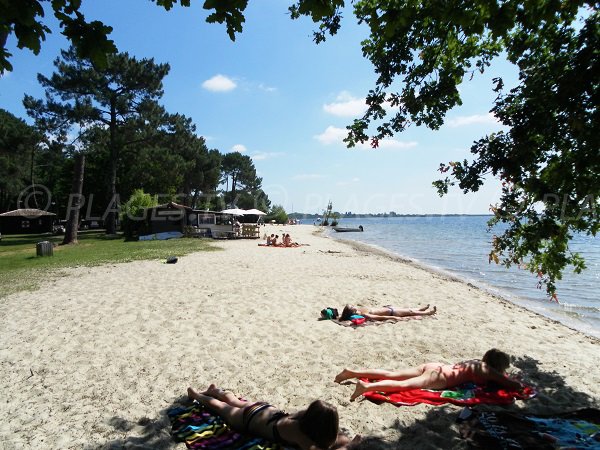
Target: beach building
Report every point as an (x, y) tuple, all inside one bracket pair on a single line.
[(173, 217), (26, 221)]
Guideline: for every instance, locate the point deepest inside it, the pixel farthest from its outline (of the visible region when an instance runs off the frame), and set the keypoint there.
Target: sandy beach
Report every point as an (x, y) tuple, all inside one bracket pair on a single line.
[(96, 356)]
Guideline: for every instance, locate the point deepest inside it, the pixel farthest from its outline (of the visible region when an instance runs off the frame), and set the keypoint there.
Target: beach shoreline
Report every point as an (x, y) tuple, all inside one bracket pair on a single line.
[(94, 359), (529, 305)]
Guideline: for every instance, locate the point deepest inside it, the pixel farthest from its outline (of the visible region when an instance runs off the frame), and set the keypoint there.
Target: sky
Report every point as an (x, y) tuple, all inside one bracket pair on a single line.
[(276, 96)]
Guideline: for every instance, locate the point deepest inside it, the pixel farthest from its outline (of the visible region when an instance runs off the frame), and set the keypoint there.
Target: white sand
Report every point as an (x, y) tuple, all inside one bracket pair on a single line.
[(95, 358)]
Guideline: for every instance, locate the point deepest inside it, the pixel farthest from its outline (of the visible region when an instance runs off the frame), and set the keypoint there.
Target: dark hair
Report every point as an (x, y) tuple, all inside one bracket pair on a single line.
[(329, 313), (347, 312), (497, 359), (320, 422)]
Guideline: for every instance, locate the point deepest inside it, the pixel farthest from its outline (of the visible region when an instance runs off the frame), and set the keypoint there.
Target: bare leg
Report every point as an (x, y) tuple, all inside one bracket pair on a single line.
[(431, 379), (233, 415), (379, 374), (424, 308), (225, 396), (412, 312)]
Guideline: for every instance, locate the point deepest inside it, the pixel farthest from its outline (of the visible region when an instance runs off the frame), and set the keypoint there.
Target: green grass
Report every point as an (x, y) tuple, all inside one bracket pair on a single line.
[(21, 269)]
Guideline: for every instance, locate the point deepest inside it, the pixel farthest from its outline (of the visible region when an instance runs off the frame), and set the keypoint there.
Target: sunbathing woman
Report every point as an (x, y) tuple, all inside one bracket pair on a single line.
[(435, 375), (313, 428), (385, 313)]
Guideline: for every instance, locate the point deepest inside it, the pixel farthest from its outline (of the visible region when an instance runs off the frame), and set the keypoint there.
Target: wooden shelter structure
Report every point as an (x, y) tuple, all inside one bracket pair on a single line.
[(175, 217), (27, 221)]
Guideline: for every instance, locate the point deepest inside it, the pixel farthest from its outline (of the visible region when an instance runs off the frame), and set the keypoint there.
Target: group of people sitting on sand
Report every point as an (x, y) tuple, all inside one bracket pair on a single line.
[(286, 241), (317, 426)]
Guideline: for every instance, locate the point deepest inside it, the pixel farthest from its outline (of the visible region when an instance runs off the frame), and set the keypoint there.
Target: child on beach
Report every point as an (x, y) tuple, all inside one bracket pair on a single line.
[(492, 367), (313, 428), (385, 313)]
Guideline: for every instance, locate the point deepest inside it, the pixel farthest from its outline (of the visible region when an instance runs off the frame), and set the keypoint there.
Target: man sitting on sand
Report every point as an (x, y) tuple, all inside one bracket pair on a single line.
[(434, 375), (385, 313)]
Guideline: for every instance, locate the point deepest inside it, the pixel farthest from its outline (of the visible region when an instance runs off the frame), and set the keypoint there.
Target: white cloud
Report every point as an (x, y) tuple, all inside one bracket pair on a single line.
[(239, 148), (219, 83), (346, 106), (261, 156), (462, 121), (346, 183), (334, 135), (264, 87), (307, 176), (393, 144)]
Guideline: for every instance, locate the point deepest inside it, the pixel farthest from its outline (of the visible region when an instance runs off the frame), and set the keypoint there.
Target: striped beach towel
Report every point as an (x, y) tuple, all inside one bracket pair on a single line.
[(201, 429), (498, 430)]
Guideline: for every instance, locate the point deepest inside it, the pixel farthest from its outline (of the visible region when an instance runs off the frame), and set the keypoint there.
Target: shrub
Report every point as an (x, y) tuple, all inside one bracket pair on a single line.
[(133, 218)]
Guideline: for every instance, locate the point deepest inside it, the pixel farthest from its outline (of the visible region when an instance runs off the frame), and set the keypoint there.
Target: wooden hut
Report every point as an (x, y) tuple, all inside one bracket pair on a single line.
[(26, 221), (168, 217), (175, 217)]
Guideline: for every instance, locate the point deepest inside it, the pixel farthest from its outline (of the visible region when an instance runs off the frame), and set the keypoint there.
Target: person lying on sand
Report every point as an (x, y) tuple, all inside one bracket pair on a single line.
[(434, 375), (385, 313), (313, 428)]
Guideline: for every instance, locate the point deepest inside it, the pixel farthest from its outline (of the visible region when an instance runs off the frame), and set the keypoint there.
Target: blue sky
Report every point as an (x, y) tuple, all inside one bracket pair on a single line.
[(284, 101)]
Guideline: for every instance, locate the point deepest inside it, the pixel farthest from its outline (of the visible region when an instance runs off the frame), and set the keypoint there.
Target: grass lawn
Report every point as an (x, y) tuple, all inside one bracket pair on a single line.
[(21, 269)]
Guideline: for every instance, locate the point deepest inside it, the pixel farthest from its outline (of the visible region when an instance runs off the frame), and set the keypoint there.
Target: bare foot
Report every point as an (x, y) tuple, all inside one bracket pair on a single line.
[(192, 393), (361, 388), (425, 308), (343, 376), (213, 391), (433, 311)]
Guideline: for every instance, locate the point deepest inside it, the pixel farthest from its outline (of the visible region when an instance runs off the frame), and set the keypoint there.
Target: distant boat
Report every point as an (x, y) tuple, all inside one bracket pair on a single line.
[(347, 229)]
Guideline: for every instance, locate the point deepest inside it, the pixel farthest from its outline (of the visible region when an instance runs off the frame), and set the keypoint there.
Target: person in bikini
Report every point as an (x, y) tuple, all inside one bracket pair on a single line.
[(287, 241), (313, 428), (385, 313), (492, 367)]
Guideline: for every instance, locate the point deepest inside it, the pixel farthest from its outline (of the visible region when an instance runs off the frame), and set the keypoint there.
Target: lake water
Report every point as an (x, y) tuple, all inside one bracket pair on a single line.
[(460, 245)]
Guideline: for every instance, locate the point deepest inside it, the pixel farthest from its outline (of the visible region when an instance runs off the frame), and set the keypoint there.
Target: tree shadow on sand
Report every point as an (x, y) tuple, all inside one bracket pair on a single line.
[(144, 433), (438, 430)]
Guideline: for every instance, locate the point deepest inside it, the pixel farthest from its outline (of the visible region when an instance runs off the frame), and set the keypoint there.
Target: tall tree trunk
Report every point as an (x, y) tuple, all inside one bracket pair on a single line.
[(233, 186), (111, 216), (75, 201)]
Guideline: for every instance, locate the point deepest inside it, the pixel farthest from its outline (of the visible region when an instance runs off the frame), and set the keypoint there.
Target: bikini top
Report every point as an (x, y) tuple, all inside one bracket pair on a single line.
[(278, 415)]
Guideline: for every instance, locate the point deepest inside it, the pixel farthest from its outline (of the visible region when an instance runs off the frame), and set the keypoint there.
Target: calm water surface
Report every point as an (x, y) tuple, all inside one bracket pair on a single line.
[(460, 245)]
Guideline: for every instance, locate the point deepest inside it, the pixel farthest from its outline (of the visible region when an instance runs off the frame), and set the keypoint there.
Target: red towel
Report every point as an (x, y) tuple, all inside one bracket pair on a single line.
[(468, 394)]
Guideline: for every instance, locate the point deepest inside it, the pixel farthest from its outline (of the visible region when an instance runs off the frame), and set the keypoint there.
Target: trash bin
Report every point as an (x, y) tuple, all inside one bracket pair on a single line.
[(44, 248)]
